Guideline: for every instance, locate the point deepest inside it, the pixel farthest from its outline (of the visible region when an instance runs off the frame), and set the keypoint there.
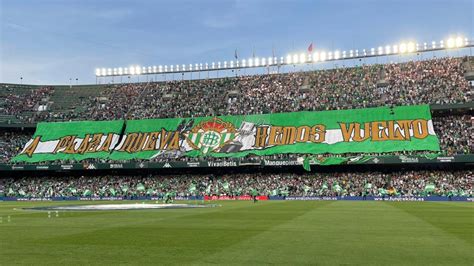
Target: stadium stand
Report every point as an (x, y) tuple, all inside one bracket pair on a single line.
[(436, 81), (402, 183), (440, 82)]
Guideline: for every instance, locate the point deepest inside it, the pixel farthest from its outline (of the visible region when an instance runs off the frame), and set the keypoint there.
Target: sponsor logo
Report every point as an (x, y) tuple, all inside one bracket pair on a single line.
[(90, 166), (33, 199), (141, 165), (116, 165), (192, 164), (243, 197), (399, 199), (376, 160), (14, 167), (100, 198), (67, 166), (222, 164), (311, 198), (167, 165), (281, 163), (406, 159), (445, 159), (42, 167), (250, 163)]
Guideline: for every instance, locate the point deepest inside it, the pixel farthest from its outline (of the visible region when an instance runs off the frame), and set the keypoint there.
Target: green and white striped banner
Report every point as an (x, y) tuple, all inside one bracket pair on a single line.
[(382, 129)]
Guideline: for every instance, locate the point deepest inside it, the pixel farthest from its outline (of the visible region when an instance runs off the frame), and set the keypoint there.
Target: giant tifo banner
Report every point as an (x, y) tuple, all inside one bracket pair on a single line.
[(382, 129), (72, 141)]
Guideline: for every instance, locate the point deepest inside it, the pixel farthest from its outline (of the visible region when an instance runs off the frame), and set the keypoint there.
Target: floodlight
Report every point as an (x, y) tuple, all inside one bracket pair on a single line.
[(387, 49), (357, 53), (97, 72), (403, 48), (295, 59), (132, 70), (263, 61), (417, 47), (288, 59), (372, 51), (125, 71), (257, 61), (213, 65), (450, 43), (270, 61), (395, 49), (441, 44), (200, 66), (219, 64), (207, 66), (243, 63), (171, 68), (315, 56), (425, 46), (329, 55), (166, 68), (250, 62), (137, 70), (459, 42), (231, 64), (281, 60), (380, 50), (365, 52), (466, 41), (302, 58), (411, 47), (322, 56), (120, 71), (115, 71), (337, 54), (109, 71), (433, 44)]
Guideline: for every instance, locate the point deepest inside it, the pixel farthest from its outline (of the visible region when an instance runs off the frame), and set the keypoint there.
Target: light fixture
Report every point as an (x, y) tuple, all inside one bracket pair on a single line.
[(403, 48), (322, 56)]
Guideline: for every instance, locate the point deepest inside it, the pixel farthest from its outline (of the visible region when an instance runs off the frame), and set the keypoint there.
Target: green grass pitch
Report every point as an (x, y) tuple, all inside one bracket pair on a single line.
[(240, 232)]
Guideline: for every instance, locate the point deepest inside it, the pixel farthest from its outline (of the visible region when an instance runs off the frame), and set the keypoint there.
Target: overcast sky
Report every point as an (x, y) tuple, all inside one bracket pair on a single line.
[(50, 41)]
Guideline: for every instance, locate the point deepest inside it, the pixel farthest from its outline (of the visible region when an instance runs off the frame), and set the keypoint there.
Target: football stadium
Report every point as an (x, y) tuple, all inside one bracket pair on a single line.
[(308, 152)]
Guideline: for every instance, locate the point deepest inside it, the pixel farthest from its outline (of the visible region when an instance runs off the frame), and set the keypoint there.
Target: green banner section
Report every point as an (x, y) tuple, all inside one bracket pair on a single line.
[(76, 141), (382, 129)]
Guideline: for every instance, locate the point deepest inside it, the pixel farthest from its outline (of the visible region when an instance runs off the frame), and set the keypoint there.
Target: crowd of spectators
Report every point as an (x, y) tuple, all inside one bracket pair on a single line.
[(438, 81), (455, 133), (24, 105), (406, 183), (11, 143)]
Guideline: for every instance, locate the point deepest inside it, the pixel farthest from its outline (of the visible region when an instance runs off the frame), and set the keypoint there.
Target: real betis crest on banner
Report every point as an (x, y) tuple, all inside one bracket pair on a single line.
[(380, 129), (211, 135)]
